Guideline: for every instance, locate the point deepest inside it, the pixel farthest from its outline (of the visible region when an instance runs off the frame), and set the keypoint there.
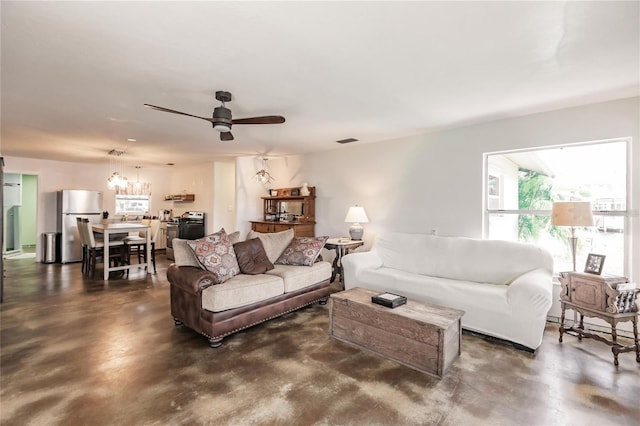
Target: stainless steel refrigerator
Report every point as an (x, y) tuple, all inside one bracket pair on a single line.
[(73, 203)]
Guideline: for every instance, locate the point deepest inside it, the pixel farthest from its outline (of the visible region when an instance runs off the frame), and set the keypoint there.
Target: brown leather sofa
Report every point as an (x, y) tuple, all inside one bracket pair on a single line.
[(260, 292), (188, 284)]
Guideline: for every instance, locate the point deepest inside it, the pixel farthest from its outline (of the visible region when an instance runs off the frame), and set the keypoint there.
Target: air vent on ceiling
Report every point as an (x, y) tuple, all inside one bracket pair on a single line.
[(348, 140)]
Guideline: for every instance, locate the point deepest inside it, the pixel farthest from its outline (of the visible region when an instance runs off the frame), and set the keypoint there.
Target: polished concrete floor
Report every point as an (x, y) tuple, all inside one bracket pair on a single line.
[(76, 351)]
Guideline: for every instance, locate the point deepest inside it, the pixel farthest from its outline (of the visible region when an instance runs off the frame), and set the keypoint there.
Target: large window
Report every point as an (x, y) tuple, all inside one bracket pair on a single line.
[(521, 187)]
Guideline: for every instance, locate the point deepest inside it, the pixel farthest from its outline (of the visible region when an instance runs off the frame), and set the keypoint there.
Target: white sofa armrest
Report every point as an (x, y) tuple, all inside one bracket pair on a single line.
[(533, 289), (354, 263)]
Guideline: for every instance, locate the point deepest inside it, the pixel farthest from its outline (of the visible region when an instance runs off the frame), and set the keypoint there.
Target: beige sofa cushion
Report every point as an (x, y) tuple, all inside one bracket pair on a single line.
[(183, 255), (297, 277), (241, 290), (274, 243)]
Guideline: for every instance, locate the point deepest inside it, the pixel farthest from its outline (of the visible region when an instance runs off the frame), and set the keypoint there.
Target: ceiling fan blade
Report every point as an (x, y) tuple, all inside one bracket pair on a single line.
[(267, 119), (176, 112), (226, 136)]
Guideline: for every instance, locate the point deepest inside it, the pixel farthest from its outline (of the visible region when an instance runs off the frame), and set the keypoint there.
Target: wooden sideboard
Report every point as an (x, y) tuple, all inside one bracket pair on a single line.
[(288, 209)]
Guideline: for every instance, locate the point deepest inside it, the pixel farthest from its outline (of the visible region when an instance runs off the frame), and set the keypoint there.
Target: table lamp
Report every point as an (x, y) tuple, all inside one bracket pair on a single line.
[(356, 215), (572, 213)]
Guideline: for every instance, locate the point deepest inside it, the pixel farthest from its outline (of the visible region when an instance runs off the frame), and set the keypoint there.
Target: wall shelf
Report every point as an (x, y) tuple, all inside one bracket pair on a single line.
[(181, 198)]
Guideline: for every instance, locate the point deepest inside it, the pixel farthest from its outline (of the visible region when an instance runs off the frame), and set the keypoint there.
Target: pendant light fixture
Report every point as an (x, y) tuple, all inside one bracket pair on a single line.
[(262, 175), (117, 178), (138, 184), (135, 188)]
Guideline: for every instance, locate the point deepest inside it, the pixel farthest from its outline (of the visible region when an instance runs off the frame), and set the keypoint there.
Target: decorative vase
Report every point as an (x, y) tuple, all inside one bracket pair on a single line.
[(304, 190)]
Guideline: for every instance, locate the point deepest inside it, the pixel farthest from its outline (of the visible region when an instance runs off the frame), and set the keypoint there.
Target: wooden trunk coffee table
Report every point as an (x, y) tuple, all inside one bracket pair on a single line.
[(420, 335)]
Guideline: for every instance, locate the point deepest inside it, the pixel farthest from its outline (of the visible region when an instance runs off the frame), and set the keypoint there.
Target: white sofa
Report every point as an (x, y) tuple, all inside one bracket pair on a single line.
[(505, 288)]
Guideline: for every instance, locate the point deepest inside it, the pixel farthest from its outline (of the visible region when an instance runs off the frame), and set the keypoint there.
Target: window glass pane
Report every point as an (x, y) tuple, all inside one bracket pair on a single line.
[(133, 204), (531, 179), (608, 241), (537, 229)]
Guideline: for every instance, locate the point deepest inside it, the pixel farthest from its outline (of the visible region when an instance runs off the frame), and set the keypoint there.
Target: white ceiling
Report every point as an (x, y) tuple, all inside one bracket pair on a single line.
[(75, 74)]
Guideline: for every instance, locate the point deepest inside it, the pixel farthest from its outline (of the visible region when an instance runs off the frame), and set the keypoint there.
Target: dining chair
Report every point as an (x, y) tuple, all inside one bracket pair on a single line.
[(83, 242), (95, 250), (138, 243)]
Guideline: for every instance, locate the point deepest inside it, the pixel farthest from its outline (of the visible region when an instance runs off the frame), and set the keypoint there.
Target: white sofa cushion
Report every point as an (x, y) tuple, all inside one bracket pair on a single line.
[(297, 277), (241, 290), (466, 259)]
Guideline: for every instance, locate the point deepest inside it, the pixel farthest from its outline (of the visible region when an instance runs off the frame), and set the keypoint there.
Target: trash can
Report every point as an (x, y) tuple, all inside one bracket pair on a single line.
[(48, 247)]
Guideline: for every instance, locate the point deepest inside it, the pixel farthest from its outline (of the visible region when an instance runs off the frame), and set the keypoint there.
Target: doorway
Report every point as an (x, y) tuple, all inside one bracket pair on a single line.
[(20, 196)]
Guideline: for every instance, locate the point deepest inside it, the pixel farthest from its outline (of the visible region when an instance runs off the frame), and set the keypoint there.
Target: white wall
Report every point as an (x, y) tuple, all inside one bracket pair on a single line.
[(435, 181), (213, 185), (224, 204), (198, 180), (248, 191)]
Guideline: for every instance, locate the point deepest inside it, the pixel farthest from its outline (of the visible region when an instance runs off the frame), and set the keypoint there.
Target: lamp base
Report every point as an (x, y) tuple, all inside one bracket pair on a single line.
[(573, 243), (355, 231)]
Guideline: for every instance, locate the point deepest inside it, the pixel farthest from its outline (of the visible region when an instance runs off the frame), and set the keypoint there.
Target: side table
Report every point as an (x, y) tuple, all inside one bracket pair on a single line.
[(342, 247), (610, 298), (612, 319)]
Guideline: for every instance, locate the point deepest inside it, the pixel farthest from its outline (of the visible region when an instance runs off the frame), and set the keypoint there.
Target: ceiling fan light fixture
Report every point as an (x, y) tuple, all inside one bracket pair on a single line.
[(221, 119), (222, 127)]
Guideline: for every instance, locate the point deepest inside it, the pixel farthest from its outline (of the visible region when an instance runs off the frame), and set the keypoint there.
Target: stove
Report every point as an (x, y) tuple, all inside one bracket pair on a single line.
[(189, 226)]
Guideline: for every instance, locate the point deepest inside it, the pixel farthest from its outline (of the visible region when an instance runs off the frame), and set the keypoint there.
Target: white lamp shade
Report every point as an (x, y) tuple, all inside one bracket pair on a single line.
[(572, 213), (356, 214)]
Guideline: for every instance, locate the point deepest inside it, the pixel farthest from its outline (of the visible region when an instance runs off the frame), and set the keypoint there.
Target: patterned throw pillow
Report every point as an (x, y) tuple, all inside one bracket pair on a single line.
[(215, 253), (302, 251)]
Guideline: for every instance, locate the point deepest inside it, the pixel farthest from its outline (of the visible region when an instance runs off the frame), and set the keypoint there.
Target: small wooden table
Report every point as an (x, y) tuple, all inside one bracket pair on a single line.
[(612, 319), (423, 336), (600, 297), (342, 247), (119, 228)]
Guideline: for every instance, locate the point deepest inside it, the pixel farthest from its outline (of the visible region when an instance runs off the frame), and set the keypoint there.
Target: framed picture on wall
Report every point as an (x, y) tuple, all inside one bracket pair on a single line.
[(594, 263)]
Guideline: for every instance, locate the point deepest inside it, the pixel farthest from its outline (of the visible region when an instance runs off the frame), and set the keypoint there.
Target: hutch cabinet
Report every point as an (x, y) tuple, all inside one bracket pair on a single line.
[(288, 209)]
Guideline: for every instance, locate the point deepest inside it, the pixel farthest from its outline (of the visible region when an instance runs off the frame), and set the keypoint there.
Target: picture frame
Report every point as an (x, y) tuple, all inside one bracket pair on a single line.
[(594, 263), (295, 192), (273, 192)]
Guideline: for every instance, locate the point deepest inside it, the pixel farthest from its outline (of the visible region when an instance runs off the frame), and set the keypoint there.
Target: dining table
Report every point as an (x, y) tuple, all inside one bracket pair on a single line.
[(108, 229)]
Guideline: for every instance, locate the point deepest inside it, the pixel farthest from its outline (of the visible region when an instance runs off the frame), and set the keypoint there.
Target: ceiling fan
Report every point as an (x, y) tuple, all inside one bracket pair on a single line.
[(221, 118)]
